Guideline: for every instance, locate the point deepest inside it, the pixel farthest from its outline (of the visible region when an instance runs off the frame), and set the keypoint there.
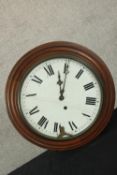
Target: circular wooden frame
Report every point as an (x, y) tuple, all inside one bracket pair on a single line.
[(36, 56)]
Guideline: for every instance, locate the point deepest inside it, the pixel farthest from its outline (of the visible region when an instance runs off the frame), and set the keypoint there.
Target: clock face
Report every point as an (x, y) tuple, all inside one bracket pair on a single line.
[(60, 98)]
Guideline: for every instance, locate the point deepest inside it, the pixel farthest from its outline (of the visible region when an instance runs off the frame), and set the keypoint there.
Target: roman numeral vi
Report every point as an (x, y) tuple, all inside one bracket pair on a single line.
[(55, 127)]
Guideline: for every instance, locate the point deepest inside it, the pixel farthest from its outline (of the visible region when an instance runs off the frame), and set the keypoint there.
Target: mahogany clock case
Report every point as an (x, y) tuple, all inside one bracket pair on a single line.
[(53, 50)]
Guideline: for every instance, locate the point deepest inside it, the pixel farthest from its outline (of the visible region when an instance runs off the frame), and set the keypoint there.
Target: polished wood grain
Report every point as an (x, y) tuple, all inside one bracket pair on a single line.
[(52, 50)]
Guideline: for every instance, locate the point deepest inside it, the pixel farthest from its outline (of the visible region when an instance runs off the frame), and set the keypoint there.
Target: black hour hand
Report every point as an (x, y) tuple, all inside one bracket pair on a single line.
[(60, 82)]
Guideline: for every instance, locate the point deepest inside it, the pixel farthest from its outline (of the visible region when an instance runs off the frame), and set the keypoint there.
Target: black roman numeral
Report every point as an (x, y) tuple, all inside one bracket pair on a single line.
[(34, 110), (49, 70), (31, 95), (46, 124), (72, 125), (88, 86), (90, 100), (37, 79), (79, 73), (43, 121), (55, 127), (66, 66), (86, 115)]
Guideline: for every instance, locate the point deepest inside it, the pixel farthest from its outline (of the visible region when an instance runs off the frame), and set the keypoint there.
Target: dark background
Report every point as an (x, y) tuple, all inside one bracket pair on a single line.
[(97, 158)]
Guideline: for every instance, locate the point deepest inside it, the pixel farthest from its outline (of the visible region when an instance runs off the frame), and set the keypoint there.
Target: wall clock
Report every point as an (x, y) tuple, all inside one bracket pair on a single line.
[(60, 95)]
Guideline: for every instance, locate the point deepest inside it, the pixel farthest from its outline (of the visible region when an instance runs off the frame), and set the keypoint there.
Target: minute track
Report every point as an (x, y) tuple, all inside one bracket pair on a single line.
[(56, 94)]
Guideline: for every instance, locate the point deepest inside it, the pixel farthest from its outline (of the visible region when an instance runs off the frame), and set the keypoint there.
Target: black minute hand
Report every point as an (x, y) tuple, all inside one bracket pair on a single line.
[(66, 71)]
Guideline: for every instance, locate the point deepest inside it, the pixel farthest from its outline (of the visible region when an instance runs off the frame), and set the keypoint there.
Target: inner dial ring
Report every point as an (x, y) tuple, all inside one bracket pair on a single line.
[(61, 98)]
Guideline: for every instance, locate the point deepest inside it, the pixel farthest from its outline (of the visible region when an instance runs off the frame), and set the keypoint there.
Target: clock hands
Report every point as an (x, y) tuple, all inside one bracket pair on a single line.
[(66, 71), (59, 82)]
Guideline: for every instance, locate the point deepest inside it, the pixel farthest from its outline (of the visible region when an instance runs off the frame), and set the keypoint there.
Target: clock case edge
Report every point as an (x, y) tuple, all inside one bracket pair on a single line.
[(53, 49)]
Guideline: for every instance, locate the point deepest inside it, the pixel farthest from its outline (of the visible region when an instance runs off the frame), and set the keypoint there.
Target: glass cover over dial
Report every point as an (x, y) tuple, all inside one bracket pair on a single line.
[(60, 98)]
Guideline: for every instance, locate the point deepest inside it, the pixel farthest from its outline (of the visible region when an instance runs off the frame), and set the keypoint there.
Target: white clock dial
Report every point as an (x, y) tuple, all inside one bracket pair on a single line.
[(60, 98)]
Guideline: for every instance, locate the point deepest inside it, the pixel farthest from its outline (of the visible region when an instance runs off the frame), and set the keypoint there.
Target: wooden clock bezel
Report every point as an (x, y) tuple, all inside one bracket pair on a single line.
[(37, 55)]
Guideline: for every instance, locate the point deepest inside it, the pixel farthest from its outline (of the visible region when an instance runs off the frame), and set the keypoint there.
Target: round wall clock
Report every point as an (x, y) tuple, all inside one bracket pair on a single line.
[(60, 95)]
